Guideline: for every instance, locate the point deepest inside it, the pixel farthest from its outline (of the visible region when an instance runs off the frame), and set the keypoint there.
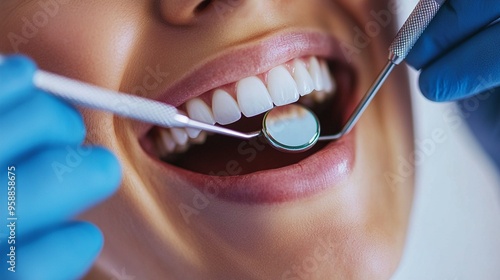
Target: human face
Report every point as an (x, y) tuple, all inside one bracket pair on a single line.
[(228, 209)]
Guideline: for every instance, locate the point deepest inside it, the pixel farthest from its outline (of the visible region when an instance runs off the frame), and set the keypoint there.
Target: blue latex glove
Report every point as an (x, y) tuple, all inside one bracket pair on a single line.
[(459, 55), (56, 178)]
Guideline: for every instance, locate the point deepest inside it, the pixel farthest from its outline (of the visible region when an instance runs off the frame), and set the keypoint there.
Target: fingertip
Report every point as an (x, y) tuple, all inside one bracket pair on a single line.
[(109, 178), (16, 79), (434, 87), (426, 88), (71, 126), (75, 244), (424, 51), (17, 61), (87, 242), (414, 60), (17, 67), (83, 176), (92, 234)]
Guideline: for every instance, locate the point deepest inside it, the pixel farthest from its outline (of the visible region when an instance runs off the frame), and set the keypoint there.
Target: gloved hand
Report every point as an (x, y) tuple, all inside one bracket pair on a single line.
[(54, 176), (459, 56)]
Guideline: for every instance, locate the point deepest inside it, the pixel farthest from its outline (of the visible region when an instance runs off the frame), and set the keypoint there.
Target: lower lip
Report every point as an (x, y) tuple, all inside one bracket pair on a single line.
[(325, 169)]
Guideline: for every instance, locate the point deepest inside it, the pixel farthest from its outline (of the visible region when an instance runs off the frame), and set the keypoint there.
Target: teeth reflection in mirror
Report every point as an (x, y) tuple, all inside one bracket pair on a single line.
[(282, 87), (253, 97), (315, 72), (179, 135), (166, 141), (328, 82), (225, 108), (305, 84), (198, 110)]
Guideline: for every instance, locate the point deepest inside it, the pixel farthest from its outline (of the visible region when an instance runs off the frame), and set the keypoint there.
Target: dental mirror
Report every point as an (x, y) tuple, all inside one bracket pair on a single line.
[(291, 128)]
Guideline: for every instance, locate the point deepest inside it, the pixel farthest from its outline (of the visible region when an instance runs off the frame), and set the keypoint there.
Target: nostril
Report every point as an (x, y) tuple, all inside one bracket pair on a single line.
[(203, 5), (183, 12)]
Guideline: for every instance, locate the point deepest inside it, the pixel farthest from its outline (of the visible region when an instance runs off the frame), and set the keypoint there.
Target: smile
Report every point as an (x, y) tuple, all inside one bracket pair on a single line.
[(249, 97), (251, 171)]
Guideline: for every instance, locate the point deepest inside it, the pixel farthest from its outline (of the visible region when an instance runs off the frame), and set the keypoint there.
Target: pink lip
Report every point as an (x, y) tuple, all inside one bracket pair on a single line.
[(324, 169), (253, 58)]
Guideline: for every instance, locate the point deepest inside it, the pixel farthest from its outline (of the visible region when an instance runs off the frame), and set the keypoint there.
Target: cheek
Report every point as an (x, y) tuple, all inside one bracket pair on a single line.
[(79, 39)]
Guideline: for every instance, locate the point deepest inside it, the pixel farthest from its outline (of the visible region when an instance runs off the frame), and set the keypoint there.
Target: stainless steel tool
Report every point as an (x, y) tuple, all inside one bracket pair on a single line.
[(406, 38)]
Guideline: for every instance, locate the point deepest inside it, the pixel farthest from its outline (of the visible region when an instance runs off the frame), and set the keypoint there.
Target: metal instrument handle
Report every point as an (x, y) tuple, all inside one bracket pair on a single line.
[(413, 28), (126, 105)]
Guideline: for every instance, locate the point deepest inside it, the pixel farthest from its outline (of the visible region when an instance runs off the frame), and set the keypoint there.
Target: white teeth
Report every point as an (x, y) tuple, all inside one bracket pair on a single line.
[(328, 83), (198, 110), (225, 108), (305, 84), (200, 139), (160, 147), (181, 148), (282, 88), (253, 97), (315, 72), (179, 135), (167, 141)]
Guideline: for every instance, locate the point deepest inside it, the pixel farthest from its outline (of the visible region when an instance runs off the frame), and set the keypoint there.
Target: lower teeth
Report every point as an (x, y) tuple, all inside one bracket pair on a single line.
[(171, 143)]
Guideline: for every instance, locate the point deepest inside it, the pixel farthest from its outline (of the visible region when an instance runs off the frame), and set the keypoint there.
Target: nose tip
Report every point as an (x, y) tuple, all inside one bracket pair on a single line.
[(181, 12)]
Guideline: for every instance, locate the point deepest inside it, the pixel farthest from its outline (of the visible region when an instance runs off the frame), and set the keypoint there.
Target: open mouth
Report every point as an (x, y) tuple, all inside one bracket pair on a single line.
[(234, 89), (311, 81)]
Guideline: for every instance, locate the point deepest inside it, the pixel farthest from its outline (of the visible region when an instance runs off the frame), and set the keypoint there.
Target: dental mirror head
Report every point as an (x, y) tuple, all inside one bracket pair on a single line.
[(291, 128)]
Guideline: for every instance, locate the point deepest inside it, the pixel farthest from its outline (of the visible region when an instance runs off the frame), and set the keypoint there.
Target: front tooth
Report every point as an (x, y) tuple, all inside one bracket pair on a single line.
[(253, 97), (179, 135), (225, 108), (282, 88), (328, 83), (315, 72), (198, 110), (305, 84), (167, 140)]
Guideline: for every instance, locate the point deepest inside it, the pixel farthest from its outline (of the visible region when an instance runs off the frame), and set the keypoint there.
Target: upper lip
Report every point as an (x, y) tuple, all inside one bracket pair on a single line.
[(252, 58)]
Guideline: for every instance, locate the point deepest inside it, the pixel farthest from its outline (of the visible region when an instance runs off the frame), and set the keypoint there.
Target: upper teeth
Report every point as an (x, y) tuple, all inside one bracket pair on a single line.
[(225, 108), (252, 96)]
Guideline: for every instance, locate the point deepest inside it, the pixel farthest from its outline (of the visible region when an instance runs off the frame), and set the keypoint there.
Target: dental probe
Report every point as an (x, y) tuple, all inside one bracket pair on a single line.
[(126, 105), (406, 38)]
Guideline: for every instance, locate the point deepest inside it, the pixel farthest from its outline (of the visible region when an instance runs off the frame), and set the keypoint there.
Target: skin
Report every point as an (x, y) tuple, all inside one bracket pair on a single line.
[(363, 221)]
